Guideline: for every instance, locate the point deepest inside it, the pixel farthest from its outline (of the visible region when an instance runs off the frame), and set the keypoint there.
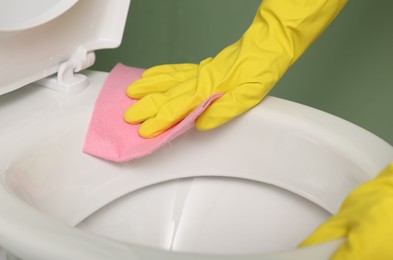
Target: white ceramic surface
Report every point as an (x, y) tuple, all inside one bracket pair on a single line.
[(38, 37), (280, 153), (24, 14)]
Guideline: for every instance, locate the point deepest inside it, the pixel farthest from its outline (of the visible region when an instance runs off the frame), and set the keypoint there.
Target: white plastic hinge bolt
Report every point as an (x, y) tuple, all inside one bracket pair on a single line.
[(66, 80)]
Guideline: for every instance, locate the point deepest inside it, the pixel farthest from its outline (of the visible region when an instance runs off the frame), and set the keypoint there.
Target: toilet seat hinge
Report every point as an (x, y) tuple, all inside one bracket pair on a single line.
[(66, 80)]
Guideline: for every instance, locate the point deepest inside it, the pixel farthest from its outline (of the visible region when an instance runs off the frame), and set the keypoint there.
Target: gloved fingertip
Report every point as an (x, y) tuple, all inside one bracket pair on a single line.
[(147, 132), (143, 134), (205, 124), (213, 117), (310, 241), (132, 92), (333, 229), (130, 120), (130, 117), (202, 127)]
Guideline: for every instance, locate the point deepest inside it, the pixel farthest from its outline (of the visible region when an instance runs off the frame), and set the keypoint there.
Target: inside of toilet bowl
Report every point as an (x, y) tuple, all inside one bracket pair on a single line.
[(225, 195), (132, 203), (208, 215)]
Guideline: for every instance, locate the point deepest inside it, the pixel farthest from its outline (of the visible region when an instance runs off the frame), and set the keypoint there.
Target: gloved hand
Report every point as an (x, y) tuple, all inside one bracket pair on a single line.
[(365, 219), (244, 71)]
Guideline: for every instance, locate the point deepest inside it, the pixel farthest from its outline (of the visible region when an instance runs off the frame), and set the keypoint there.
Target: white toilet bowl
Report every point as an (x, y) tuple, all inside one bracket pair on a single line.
[(252, 189)]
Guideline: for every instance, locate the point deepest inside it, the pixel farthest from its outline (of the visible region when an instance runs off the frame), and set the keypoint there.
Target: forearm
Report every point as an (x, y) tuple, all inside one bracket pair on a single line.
[(290, 26)]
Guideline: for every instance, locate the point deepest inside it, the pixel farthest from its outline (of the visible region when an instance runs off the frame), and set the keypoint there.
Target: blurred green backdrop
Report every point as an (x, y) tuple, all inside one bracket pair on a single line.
[(347, 72)]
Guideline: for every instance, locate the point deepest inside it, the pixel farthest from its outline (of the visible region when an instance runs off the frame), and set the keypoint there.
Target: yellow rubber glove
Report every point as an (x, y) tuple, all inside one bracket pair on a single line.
[(244, 71), (365, 219)]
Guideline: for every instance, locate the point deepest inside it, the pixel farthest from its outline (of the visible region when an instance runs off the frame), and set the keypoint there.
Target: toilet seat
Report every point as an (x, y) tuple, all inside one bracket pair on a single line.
[(48, 185)]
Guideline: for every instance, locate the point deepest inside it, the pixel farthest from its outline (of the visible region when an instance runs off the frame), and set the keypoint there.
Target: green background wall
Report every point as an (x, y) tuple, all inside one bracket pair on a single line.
[(348, 71)]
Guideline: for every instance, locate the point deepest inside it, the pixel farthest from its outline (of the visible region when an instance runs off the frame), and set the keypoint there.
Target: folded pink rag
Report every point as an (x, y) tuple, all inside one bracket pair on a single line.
[(110, 137)]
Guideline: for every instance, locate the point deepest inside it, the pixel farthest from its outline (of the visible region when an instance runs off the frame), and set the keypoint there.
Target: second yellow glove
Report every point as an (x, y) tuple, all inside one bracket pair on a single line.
[(365, 219)]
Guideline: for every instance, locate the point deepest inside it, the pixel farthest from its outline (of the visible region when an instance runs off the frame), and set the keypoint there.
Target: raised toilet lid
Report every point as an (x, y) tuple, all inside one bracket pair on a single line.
[(40, 38)]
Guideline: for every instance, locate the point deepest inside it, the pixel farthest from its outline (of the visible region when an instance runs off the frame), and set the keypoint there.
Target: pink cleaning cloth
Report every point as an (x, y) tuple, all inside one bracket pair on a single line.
[(109, 137)]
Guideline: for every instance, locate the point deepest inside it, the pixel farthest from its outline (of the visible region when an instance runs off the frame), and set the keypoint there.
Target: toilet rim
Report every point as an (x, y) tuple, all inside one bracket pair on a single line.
[(271, 108), (38, 233)]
